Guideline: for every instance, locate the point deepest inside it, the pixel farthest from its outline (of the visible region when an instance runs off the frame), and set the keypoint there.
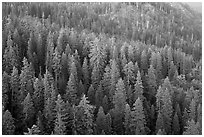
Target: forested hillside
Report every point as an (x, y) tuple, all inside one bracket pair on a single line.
[(101, 68)]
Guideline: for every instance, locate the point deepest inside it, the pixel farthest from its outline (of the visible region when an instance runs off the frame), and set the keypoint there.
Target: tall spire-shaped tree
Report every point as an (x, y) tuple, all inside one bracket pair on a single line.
[(137, 124), (7, 124)]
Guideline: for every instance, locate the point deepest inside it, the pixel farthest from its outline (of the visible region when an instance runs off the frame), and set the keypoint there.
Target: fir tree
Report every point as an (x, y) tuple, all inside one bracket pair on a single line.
[(138, 87), (105, 104), (176, 125), (84, 117), (38, 97), (108, 122), (167, 111), (28, 110), (91, 94), (100, 120), (5, 89), (114, 78), (138, 122), (71, 91), (26, 80), (119, 99), (127, 119), (191, 129), (8, 127), (129, 72), (86, 75)]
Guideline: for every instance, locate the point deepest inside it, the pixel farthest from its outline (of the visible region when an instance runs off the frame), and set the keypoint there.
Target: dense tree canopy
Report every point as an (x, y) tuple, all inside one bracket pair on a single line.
[(101, 68)]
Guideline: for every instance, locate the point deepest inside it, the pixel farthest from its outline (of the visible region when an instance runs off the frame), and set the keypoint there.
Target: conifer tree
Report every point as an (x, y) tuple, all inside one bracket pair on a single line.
[(15, 99), (119, 99), (138, 87), (86, 75), (100, 120), (106, 81), (191, 128), (159, 122), (105, 104), (48, 81), (152, 81), (38, 97), (28, 110), (97, 53), (99, 96), (59, 123), (8, 127), (26, 80), (50, 52), (167, 111), (49, 110), (84, 117), (5, 89), (176, 125), (129, 72), (144, 61), (91, 94), (114, 78), (138, 122), (95, 76), (127, 119), (108, 122), (192, 114), (71, 91)]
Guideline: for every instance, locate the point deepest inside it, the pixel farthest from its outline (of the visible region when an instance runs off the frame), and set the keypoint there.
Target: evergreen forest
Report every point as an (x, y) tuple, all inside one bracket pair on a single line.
[(101, 68)]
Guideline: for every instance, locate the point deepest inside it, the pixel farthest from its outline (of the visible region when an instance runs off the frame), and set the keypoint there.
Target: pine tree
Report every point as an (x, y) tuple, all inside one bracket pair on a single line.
[(97, 53), (167, 111), (38, 97), (144, 61), (192, 114), (71, 91), (191, 129), (8, 127), (49, 110), (176, 125), (127, 119), (50, 52), (15, 99), (86, 75), (138, 87), (91, 94), (56, 65), (106, 81), (40, 122), (48, 81), (95, 76), (129, 72), (26, 80), (28, 110), (114, 78), (159, 122), (137, 123), (152, 81), (5, 89), (59, 123), (100, 120), (107, 124), (99, 96), (119, 99), (105, 104), (84, 117), (73, 71)]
